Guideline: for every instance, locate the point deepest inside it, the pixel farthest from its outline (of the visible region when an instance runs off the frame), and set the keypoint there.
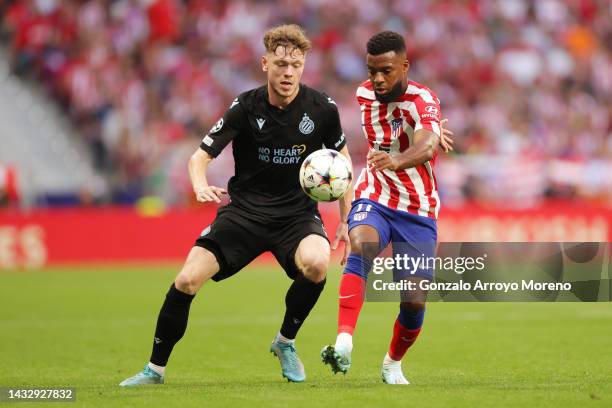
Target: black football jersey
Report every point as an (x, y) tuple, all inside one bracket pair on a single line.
[(270, 144)]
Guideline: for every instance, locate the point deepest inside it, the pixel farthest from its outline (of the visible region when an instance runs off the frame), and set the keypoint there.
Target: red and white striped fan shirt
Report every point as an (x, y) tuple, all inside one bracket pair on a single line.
[(390, 127)]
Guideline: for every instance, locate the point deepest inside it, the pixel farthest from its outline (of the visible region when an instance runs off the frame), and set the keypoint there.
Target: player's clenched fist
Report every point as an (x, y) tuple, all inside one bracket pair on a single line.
[(209, 193)]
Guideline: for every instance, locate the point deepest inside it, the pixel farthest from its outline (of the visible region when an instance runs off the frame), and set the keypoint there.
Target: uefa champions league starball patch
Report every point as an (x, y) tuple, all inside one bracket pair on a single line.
[(217, 127)]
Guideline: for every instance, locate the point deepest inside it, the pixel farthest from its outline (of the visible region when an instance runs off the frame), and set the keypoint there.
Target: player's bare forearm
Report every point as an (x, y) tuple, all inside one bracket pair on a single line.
[(423, 150), (344, 207), (198, 166), (345, 200), (345, 203)]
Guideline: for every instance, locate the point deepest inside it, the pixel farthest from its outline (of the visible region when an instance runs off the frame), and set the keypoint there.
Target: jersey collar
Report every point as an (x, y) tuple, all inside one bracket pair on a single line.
[(287, 108)]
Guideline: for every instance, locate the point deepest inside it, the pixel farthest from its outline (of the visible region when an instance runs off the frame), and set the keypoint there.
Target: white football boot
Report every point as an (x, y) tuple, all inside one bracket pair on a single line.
[(392, 371)]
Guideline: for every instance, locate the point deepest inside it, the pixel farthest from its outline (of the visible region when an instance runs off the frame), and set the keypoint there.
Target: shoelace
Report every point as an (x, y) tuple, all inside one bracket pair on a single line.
[(291, 358), (148, 372)]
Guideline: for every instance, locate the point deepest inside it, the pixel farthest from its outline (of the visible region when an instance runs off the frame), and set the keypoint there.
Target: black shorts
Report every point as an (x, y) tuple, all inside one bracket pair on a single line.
[(237, 239)]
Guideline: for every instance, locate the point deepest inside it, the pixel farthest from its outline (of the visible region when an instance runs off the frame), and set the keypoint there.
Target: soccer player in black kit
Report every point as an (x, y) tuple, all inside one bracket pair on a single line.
[(273, 128)]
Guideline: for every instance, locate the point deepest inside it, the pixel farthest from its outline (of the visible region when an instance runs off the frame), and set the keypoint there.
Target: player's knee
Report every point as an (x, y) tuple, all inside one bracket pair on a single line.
[(186, 283), (365, 247), (198, 268), (412, 307), (314, 267)]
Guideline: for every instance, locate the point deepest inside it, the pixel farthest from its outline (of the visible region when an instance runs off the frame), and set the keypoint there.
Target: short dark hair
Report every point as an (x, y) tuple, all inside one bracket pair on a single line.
[(386, 41)]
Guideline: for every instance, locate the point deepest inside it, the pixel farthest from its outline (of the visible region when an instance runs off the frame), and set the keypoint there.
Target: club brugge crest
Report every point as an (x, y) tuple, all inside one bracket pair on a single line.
[(306, 125), (396, 128)]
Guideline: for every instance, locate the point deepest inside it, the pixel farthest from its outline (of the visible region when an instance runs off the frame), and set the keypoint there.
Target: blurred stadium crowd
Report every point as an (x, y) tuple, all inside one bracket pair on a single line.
[(526, 85)]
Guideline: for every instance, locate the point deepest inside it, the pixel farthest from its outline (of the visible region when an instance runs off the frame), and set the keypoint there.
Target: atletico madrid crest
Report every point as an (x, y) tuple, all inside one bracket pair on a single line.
[(396, 128)]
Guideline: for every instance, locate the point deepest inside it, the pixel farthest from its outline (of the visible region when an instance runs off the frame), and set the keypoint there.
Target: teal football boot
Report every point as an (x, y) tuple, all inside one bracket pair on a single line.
[(291, 366), (145, 377)]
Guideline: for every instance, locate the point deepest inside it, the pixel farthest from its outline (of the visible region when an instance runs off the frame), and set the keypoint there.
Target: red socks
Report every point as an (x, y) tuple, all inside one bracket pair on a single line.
[(402, 339), (351, 296)]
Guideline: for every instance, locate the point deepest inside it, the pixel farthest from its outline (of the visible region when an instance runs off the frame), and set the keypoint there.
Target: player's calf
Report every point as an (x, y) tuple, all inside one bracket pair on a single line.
[(350, 301), (406, 329), (311, 260), (364, 247), (200, 266), (350, 298)]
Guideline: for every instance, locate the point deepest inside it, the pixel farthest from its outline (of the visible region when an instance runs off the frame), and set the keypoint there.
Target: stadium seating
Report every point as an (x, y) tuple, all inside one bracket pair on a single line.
[(526, 84)]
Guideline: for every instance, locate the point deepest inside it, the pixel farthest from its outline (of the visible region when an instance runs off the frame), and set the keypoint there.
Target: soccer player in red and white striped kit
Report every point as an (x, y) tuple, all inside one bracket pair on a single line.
[(396, 197)]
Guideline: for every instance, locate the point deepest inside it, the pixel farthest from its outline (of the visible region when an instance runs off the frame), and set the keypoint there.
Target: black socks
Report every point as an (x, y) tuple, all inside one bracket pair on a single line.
[(300, 299), (172, 320), (171, 325)]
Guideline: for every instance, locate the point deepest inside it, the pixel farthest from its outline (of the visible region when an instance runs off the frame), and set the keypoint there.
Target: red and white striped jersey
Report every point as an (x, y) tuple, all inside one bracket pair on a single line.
[(390, 127)]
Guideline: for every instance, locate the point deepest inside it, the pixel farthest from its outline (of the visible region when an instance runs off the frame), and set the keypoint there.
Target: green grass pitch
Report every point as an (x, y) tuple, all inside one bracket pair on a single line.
[(90, 328)]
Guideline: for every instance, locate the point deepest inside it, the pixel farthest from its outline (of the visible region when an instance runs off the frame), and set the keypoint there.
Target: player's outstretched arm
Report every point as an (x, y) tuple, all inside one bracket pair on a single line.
[(423, 150), (198, 165), (344, 207)]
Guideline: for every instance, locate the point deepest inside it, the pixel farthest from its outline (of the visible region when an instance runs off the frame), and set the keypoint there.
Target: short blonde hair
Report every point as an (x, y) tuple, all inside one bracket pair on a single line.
[(284, 35)]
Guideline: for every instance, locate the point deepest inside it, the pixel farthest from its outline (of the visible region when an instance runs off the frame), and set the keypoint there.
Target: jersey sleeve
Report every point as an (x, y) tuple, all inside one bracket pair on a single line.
[(334, 137), (428, 113), (224, 131)]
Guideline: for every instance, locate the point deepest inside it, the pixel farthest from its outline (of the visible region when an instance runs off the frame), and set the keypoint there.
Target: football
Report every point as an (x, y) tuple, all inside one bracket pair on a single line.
[(325, 175)]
